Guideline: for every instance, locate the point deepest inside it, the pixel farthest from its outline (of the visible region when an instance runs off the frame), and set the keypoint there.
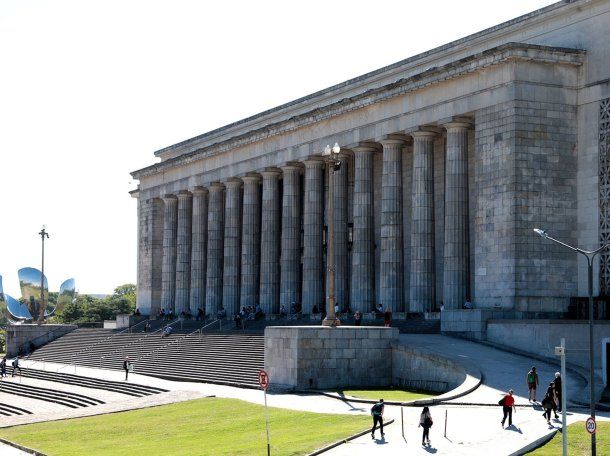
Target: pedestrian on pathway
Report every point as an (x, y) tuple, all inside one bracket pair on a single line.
[(425, 421), (3, 367), (16, 366), (508, 406), (387, 317), (126, 365), (532, 383), (549, 403), (377, 413), (557, 388)]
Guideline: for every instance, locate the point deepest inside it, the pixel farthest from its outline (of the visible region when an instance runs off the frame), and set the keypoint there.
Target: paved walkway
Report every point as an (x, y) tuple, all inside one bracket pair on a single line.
[(7, 450), (471, 430)]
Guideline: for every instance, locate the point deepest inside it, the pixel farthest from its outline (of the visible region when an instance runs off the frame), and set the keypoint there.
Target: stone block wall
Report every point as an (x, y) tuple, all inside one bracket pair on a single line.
[(302, 357), (19, 337), (418, 369), (472, 323)]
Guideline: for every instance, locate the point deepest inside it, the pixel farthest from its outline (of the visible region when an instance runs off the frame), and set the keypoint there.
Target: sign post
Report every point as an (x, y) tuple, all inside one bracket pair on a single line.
[(561, 351), (591, 425), (263, 380)]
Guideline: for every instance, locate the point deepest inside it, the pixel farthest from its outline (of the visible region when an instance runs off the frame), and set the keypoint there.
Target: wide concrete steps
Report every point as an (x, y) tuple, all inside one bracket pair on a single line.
[(227, 357), (11, 410), (68, 399), (130, 389)]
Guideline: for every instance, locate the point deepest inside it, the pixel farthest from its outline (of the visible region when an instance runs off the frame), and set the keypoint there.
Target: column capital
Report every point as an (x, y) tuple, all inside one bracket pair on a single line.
[(251, 178), (426, 133), (367, 147), (199, 190), (216, 186), (271, 172), (292, 166), (314, 162), (169, 197), (184, 194), (233, 182), (392, 139), (458, 125)]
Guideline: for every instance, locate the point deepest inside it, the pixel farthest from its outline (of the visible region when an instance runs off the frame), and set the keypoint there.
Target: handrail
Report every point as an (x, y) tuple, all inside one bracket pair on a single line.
[(131, 328), (198, 330), (135, 341)]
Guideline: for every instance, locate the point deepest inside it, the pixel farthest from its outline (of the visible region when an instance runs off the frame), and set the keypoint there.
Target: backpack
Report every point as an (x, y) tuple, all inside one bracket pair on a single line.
[(531, 377), (501, 401), (376, 409)]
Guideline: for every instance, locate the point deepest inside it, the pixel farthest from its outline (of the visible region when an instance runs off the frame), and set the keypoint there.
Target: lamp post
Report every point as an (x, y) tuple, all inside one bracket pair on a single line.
[(331, 157), (43, 233), (590, 256)]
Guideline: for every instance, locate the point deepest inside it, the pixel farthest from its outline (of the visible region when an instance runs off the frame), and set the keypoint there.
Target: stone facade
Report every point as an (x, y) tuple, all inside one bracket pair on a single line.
[(302, 357), (450, 159)]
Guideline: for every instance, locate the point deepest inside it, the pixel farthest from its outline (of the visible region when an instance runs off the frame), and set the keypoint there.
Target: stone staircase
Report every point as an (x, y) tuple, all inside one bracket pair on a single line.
[(68, 399), (224, 357), (11, 410)]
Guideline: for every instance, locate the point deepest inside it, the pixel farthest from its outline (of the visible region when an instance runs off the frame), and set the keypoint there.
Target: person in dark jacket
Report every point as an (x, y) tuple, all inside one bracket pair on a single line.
[(126, 367), (377, 413), (557, 388), (3, 367), (549, 402), (425, 421)]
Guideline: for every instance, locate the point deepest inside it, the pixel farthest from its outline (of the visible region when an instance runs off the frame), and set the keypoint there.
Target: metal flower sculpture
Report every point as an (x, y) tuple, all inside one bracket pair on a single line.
[(30, 280)]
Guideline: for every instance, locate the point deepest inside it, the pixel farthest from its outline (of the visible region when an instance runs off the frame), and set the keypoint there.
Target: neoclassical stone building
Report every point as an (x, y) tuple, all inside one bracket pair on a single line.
[(449, 159)]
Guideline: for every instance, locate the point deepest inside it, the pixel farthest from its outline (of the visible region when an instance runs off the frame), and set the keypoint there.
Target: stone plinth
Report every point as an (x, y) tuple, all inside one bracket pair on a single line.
[(21, 338), (302, 357), (470, 323)]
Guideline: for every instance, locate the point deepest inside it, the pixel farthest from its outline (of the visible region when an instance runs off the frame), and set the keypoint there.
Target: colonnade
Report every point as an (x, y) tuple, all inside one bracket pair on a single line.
[(259, 238)]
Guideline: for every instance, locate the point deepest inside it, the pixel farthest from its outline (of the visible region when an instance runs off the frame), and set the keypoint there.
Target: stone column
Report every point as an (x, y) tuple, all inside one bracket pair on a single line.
[(290, 258), (199, 248), (363, 256), (232, 247), (455, 264), (313, 225), (341, 234), (391, 265), (168, 274), (250, 245), (270, 238), (216, 217), (183, 261), (422, 223)]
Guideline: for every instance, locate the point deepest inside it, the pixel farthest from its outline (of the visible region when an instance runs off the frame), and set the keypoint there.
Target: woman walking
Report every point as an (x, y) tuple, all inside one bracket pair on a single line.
[(425, 421), (548, 403)]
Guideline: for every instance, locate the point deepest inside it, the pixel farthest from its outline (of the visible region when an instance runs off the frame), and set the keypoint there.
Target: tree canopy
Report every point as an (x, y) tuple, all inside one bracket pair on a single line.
[(89, 309)]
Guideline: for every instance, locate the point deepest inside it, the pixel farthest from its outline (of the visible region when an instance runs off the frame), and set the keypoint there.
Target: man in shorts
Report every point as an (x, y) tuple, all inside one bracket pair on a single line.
[(532, 383)]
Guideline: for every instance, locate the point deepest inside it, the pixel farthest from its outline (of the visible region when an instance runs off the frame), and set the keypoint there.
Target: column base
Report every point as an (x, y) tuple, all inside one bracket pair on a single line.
[(331, 322)]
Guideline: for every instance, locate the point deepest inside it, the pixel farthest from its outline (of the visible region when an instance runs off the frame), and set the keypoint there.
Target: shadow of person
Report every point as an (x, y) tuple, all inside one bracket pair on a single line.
[(514, 428), (381, 441), (430, 449), (537, 406)]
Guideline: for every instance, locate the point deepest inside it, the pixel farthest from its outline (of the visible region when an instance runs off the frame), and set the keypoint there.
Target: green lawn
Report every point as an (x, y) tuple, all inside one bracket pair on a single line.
[(210, 426), (388, 394), (579, 441)]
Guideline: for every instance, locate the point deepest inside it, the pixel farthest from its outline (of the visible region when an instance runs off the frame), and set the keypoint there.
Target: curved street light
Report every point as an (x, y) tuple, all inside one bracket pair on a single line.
[(590, 256)]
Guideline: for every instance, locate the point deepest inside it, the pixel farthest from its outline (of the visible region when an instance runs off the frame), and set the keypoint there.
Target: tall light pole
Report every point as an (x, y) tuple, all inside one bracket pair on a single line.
[(43, 233), (590, 256), (332, 158)]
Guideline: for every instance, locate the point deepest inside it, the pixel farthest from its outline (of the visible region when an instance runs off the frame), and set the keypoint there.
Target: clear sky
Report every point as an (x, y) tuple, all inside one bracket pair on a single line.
[(90, 89)]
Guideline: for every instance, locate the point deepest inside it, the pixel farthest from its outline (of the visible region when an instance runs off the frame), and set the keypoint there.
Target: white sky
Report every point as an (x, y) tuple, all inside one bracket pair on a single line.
[(90, 89)]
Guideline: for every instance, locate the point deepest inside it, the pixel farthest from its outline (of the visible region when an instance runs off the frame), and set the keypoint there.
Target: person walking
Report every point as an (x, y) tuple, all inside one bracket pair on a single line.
[(508, 406), (3, 367), (532, 383), (377, 413), (16, 366), (425, 421), (126, 365), (549, 403), (557, 388)]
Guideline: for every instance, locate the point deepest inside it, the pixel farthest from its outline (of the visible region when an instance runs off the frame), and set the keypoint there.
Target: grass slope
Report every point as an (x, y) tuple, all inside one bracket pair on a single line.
[(579, 441), (210, 426), (388, 394)]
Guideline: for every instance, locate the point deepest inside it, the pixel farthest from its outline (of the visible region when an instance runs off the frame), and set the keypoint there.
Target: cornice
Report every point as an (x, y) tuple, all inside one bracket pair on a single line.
[(494, 56)]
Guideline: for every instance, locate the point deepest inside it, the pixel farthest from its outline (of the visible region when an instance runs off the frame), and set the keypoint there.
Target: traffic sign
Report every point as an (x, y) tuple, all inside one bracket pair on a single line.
[(263, 379), (591, 425)]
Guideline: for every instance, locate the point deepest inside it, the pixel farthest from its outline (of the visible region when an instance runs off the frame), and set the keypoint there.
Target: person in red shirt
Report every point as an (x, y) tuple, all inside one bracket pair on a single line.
[(508, 405)]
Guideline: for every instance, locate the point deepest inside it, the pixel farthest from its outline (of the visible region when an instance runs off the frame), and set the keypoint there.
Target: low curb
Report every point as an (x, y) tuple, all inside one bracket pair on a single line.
[(535, 444), (341, 442), (22, 448)]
